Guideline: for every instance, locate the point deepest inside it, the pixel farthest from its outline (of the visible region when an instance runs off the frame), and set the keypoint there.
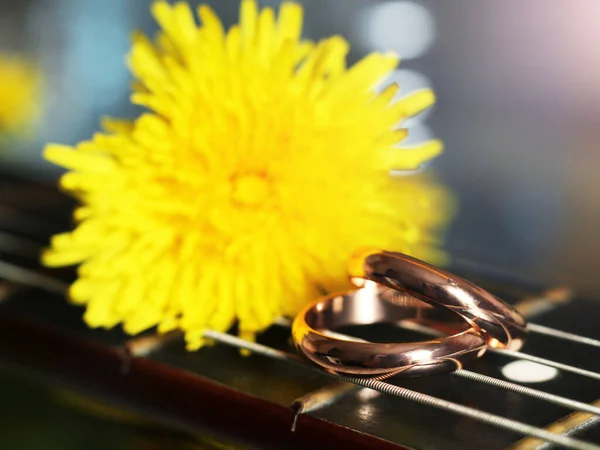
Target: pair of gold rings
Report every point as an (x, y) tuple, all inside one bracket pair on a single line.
[(393, 287)]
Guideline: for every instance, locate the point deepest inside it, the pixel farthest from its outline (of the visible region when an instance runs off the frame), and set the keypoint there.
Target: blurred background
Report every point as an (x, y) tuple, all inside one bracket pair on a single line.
[(518, 86)]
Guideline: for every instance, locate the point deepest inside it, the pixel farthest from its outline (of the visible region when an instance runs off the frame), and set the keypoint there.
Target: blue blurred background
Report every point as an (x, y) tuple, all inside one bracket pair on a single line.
[(518, 85)]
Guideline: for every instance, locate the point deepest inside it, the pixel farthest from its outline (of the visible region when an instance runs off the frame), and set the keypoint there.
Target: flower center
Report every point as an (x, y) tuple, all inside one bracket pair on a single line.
[(250, 189)]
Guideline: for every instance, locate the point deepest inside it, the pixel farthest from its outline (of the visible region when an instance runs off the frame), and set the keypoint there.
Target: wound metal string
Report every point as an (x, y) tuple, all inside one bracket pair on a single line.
[(418, 397), (506, 385), (26, 276)]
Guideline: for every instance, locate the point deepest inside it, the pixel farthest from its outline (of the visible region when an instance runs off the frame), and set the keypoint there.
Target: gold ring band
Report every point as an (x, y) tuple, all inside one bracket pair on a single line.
[(373, 304), (502, 326)]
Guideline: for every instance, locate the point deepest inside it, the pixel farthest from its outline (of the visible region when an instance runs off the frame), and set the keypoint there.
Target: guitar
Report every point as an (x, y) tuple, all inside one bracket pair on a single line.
[(147, 392)]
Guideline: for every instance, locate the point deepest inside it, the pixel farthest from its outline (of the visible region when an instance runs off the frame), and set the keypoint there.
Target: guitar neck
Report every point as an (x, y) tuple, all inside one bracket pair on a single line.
[(272, 399)]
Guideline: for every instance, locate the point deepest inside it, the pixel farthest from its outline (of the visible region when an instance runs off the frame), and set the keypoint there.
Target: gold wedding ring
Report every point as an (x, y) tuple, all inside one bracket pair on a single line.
[(393, 287), (502, 326)]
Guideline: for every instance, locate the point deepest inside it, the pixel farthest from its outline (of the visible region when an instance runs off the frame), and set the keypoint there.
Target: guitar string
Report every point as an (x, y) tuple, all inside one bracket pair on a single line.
[(418, 397), (459, 255), (509, 386), (22, 275), (19, 274), (583, 427), (26, 276), (32, 278), (570, 425), (541, 329), (495, 382)]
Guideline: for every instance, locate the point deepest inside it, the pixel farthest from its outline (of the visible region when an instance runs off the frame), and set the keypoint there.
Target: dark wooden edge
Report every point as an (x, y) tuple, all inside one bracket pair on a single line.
[(167, 393)]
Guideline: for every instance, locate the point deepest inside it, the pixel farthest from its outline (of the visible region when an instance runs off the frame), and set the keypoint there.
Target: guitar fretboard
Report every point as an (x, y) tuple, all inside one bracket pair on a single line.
[(275, 399)]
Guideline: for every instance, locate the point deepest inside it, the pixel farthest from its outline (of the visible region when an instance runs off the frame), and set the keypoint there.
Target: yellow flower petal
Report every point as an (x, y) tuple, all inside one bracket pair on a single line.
[(20, 94), (410, 158), (414, 103), (69, 158), (289, 26), (261, 163)]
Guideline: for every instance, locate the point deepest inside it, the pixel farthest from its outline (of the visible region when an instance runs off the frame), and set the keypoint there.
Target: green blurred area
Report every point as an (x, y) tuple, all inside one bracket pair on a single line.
[(35, 416)]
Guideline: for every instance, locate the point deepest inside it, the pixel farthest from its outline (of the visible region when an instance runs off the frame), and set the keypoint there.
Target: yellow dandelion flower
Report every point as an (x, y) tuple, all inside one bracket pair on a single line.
[(262, 163), (19, 93)]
